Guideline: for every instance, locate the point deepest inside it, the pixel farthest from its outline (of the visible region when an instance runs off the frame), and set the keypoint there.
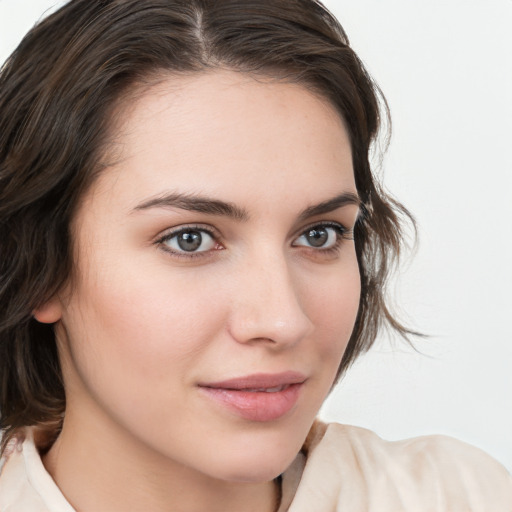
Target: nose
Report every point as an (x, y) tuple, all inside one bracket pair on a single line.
[(267, 304)]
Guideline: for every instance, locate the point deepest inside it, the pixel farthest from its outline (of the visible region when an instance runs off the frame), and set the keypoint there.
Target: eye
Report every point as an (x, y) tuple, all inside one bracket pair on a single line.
[(189, 240), (322, 236)]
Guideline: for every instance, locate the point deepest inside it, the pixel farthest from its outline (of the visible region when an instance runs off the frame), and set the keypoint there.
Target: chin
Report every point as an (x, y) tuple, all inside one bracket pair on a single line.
[(257, 471), (260, 460)]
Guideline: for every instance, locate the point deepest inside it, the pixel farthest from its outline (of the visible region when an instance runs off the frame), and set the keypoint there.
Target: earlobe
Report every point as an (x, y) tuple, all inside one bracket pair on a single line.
[(50, 312)]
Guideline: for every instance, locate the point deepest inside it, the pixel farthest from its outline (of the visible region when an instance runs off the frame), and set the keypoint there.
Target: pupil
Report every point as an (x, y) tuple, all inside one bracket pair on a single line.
[(190, 240), (317, 237)]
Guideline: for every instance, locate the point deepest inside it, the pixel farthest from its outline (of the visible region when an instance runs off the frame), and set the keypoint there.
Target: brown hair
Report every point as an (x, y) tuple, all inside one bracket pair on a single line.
[(57, 93)]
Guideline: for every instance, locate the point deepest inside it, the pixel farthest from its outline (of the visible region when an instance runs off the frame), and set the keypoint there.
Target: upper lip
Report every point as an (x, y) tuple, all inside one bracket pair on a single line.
[(259, 380)]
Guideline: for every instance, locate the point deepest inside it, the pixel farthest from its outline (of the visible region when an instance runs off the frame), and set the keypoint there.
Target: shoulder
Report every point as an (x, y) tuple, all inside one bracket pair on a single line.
[(435, 452), (359, 469), (24, 483), (433, 455), (13, 478)]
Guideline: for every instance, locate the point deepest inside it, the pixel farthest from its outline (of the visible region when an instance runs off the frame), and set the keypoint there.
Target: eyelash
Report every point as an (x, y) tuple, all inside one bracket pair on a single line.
[(342, 233), (169, 235)]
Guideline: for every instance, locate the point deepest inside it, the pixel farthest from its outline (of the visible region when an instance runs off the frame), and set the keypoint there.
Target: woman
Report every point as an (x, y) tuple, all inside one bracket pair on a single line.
[(195, 250)]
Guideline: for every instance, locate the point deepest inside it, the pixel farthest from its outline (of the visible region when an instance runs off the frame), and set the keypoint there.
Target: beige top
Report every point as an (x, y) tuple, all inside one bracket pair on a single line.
[(342, 469)]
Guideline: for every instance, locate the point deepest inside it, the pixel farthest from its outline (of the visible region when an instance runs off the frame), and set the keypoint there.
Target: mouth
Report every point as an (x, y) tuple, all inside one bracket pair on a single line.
[(259, 397), (275, 389)]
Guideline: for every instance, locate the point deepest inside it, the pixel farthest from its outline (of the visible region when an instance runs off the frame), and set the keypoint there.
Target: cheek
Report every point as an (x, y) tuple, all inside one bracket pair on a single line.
[(333, 309), (134, 343), (334, 305), (140, 322)]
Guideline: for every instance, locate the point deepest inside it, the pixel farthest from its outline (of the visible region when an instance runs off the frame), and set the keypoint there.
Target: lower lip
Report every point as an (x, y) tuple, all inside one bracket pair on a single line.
[(256, 405)]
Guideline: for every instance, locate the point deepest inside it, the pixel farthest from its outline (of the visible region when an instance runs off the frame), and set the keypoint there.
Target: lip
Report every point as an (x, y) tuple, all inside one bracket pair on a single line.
[(260, 397)]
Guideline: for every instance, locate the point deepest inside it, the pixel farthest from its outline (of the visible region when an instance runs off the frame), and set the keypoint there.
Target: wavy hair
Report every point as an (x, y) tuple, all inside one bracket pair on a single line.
[(58, 92)]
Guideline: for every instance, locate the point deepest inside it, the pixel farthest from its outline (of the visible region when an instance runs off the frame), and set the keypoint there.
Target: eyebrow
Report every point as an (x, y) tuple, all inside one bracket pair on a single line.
[(210, 206), (195, 203), (339, 201)]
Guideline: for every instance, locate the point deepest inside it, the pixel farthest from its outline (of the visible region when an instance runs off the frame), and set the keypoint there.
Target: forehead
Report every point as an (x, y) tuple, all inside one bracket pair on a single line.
[(229, 135)]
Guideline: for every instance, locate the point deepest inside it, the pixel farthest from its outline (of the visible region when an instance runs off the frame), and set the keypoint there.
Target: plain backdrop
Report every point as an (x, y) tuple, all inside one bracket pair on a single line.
[(445, 68)]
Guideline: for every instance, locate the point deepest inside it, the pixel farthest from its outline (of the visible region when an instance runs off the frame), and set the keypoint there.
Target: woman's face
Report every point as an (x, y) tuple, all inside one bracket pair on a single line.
[(216, 281)]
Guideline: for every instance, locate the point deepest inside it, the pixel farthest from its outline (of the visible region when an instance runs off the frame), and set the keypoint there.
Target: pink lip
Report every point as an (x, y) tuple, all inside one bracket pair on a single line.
[(253, 397)]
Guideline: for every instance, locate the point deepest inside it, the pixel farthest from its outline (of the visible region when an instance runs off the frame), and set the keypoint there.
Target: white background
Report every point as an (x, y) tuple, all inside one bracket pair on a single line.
[(445, 68)]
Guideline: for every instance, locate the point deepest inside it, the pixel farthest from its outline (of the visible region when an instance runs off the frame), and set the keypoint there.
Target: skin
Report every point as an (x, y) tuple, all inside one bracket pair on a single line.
[(140, 326)]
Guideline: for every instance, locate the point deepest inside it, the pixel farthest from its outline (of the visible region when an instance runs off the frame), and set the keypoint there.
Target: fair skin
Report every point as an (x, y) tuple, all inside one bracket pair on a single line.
[(265, 284)]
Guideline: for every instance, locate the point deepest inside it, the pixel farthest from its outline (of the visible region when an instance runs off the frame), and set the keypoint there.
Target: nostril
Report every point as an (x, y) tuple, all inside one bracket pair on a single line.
[(254, 326)]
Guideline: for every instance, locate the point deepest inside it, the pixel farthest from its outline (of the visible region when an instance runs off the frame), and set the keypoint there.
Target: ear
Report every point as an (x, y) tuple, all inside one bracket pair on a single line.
[(50, 312)]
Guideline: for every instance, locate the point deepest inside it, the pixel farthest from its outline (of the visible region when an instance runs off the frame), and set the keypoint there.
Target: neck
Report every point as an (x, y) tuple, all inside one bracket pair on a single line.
[(104, 470)]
